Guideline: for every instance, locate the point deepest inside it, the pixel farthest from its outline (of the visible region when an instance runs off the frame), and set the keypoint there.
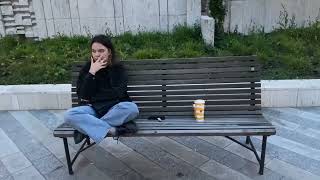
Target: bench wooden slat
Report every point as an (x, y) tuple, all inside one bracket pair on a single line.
[(189, 87), (203, 86), (190, 108), (193, 92), (192, 81), (207, 113), (189, 103), (191, 98), (132, 66), (185, 60), (204, 132), (194, 76), (193, 60)]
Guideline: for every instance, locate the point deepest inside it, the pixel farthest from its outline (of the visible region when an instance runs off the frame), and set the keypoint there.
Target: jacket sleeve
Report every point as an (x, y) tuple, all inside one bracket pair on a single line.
[(86, 84)]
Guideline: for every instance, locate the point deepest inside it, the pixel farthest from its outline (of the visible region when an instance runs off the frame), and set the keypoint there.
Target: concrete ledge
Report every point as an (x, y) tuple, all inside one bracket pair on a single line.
[(27, 97), (290, 93), (275, 93)]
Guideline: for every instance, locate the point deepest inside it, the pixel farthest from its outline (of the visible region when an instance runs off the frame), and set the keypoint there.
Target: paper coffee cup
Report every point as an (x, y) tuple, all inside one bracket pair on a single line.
[(198, 109)]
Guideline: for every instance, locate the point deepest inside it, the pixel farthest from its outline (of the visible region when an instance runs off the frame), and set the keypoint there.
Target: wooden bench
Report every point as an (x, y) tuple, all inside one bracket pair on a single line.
[(167, 87)]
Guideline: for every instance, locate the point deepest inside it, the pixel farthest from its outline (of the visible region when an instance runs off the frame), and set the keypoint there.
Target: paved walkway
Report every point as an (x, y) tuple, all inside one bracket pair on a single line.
[(29, 151)]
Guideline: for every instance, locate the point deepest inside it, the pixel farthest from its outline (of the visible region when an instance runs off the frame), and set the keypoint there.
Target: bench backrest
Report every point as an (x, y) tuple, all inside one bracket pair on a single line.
[(230, 85)]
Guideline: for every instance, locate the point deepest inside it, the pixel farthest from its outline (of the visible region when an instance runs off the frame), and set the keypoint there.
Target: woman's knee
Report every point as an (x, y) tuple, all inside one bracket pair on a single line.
[(70, 114), (131, 108)]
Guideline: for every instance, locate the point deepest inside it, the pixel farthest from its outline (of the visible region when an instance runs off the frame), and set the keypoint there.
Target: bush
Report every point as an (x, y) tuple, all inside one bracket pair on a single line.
[(284, 54)]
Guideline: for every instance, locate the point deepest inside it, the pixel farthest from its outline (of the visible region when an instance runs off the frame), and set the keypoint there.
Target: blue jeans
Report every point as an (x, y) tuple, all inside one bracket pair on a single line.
[(84, 119)]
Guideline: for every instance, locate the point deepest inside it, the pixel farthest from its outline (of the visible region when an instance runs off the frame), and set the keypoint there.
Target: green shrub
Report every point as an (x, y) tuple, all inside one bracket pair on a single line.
[(147, 54), (284, 54)]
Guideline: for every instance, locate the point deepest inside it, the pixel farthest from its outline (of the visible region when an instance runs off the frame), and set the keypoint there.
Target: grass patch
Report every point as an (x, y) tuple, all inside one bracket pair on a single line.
[(285, 53)]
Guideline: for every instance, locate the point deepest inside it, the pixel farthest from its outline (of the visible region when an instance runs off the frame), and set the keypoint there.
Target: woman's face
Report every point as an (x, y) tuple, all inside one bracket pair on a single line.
[(100, 51)]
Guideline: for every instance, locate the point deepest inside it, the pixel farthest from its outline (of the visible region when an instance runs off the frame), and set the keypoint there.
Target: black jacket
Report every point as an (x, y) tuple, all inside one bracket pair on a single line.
[(107, 88)]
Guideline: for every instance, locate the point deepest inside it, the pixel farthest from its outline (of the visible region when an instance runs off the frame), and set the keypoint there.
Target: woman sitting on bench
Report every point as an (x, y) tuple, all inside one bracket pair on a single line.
[(102, 90)]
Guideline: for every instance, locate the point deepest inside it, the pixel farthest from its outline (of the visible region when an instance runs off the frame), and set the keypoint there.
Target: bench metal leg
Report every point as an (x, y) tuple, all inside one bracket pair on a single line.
[(247, 139), (88, 140), (261, 158), (263, 153), (66, 149)]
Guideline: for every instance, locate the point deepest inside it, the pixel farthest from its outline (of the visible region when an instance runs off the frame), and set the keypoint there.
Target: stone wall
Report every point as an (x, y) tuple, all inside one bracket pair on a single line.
[(46, 18), (246, 15), (17, 17)]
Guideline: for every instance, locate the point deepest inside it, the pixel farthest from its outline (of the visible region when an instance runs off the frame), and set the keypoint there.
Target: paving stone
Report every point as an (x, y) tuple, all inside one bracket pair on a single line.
[(34, 126), (91, 172), (60, 174), (268, 175), (47, 118), (16, 162), (252, 170), (202, 147), (4, 173), (26, 144), (7, 147), (117, 149), (132, 175), (273, 112), (145, 167), (8, 123), (245, 153), (7, 178), (290, 157), (296, 147), (217, 140), (314, 133), (44, 167), (28, 173), (179, 150), (38, 153), (106, 162), (222, 172), (298, 137), (233, 161), (78, 164), (164, 159), (279, 122), (291, 171)]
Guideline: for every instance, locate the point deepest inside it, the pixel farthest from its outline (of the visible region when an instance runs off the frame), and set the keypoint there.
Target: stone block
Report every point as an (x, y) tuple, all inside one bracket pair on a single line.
[(37, 101), (281, 98), (6, 10), (207, 30), (308, 97), (9, 102)]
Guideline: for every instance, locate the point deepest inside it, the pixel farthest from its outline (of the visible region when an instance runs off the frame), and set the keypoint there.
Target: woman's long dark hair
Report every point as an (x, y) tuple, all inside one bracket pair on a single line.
[(105, 41)]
